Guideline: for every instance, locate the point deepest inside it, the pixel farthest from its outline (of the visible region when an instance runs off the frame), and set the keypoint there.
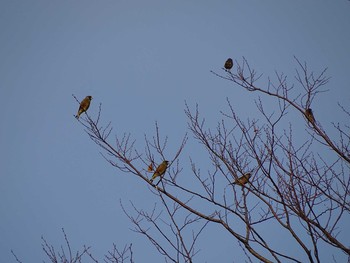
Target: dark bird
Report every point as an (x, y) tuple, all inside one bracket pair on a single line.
[(228, 64), (84, 105), (243, 179), (160, 170), (309, 115)]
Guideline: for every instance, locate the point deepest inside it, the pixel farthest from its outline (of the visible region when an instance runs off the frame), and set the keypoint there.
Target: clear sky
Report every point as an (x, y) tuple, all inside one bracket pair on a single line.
[(142, 60)]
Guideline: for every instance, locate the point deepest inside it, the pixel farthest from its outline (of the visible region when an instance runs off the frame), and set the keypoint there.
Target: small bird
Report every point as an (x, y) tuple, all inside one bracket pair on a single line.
[(309, 115), (243, 179), (228, 64), (160, 170), (84, 105)]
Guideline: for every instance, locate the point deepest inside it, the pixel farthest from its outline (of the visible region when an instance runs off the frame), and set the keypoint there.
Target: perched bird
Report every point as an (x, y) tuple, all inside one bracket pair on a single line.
[(160, 170), (228, 64), (84, 105), (309, 115), (243, 179)]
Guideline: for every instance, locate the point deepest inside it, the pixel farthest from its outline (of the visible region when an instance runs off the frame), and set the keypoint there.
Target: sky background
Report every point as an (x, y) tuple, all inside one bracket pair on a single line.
[(142, 60)]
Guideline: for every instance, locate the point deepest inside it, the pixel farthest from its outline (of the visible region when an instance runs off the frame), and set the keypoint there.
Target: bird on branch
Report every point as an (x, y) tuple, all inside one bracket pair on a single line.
[(243, 179), (84, 105), (160, 170), (309, 115), (228, 64)]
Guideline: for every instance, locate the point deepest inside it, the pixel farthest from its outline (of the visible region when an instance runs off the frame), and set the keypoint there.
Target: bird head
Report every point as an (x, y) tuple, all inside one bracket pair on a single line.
[(89, 97)]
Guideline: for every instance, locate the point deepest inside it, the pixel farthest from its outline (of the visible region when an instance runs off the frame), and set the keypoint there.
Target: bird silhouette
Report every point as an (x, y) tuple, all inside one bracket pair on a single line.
[(228, 64)]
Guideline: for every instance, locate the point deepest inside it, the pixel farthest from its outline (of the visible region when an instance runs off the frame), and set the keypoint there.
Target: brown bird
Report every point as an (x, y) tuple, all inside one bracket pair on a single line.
[(160, 170), (228, 64), (309, 115), (84, 105), (243, 179)]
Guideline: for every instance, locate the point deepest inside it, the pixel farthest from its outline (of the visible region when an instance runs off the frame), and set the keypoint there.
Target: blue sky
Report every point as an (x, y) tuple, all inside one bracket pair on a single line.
[(142, 60)]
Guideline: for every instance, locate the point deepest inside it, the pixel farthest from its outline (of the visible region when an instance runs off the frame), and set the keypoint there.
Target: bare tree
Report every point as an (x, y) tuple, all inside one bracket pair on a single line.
[(66, 255), (261, 176)]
